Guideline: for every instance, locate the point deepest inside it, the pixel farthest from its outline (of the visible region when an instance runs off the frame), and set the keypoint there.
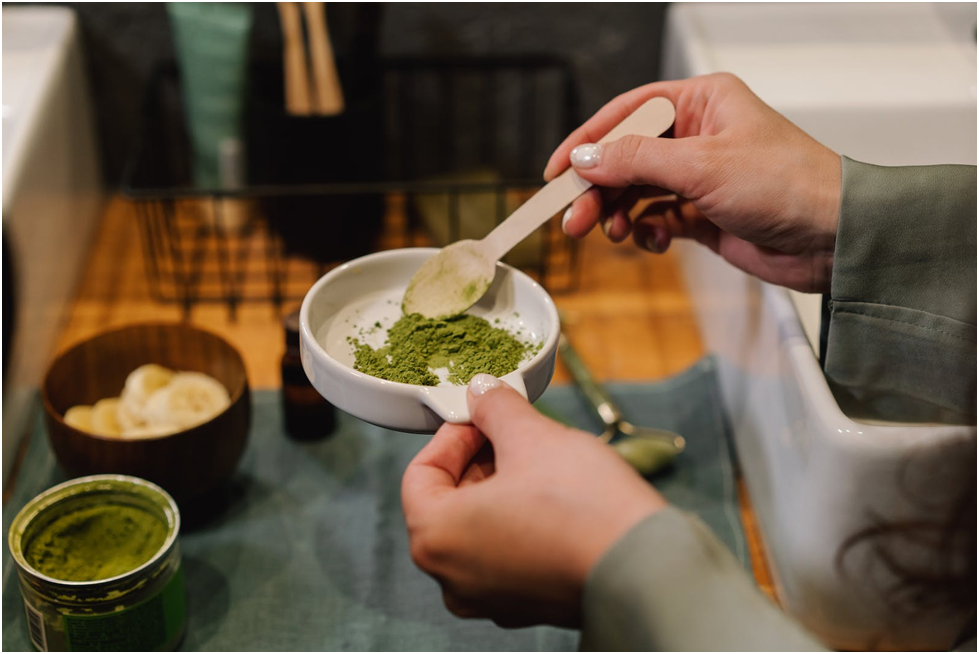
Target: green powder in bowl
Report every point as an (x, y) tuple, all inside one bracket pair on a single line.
[(464, 345)]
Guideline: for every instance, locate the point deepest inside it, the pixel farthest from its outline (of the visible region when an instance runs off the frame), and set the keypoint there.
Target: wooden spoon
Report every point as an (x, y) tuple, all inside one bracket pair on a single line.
[(327, 92), (460, 273), (298, 101)]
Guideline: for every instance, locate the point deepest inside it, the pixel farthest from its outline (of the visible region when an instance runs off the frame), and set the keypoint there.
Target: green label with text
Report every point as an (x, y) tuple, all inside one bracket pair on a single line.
[(150, 625)]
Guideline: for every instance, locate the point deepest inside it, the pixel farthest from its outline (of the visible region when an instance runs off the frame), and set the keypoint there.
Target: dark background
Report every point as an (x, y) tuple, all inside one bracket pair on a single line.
[(611, 47)]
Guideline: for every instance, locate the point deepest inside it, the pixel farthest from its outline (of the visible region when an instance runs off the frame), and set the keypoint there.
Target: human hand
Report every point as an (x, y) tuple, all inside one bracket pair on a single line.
[(752, 186), (511, 513)]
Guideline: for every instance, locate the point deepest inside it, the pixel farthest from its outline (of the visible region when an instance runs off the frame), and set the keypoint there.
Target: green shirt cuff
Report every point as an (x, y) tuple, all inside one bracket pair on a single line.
[(901, 342)]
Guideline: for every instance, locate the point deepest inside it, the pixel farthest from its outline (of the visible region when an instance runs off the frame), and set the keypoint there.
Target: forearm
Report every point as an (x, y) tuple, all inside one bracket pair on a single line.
[(669, 584)]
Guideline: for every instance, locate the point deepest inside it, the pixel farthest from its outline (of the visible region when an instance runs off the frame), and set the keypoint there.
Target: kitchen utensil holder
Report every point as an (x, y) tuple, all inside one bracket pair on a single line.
[(432, 129)]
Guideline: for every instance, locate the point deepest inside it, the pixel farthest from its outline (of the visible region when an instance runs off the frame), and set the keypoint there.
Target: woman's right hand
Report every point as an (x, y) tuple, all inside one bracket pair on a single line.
[(752, 186)]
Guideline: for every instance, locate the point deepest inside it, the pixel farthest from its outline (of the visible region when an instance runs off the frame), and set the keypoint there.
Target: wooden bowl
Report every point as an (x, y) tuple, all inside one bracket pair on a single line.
[(188, 464)]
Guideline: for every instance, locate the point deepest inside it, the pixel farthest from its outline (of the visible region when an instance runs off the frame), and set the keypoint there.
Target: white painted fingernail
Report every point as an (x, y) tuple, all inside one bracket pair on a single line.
[(587, 155), (607, 225), (565, 219), (483, 383)]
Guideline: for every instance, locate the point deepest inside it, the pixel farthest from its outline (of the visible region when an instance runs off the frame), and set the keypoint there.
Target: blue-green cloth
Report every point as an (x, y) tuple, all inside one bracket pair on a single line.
[(311, 552)]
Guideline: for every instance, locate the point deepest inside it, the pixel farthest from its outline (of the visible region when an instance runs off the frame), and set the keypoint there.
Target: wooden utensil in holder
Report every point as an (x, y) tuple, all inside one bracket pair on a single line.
[(327, 92), (320, 94)]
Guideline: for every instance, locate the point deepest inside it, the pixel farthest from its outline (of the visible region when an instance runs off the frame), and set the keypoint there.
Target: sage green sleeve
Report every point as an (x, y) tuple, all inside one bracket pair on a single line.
[(669, 584), (901, 339), (900, 345)]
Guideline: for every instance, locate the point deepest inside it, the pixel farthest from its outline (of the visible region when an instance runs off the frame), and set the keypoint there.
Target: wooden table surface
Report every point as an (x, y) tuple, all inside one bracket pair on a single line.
[(630, 319)]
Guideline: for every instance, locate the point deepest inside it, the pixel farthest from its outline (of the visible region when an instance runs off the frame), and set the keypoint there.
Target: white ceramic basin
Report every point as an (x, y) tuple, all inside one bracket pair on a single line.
[(52, 192), (887, 84)]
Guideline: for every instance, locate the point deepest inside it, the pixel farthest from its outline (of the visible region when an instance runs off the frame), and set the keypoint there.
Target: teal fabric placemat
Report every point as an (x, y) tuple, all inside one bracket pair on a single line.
[(311, 551)]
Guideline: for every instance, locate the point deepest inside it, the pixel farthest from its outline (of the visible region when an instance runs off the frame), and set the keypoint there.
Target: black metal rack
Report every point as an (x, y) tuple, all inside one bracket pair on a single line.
[(433, 150)]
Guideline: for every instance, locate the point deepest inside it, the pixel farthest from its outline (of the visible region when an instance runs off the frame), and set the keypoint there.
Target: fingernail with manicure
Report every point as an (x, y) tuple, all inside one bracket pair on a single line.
[(565, 219), (483, 383), (587, 155), (607, 224)]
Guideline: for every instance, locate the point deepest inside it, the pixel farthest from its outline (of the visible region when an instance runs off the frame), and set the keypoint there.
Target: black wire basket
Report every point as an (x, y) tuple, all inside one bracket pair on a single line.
[(427, 151)]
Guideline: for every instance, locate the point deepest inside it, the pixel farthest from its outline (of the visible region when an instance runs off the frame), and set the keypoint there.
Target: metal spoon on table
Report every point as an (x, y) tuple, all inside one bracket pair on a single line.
[(646, 449)]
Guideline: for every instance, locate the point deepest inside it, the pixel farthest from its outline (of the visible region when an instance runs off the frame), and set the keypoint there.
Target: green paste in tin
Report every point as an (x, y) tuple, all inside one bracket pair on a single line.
[(96, 542), (465, 345)]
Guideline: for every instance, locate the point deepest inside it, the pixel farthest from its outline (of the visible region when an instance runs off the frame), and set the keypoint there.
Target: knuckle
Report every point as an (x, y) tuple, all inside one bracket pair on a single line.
[(489, 407), (628, 157), (727, 79), (425, 549), (418, 549), (483, 412), (458, 605), (706, 159)]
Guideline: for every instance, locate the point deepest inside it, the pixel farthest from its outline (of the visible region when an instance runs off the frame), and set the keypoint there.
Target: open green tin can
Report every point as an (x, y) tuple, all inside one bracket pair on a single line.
[(99, 566)]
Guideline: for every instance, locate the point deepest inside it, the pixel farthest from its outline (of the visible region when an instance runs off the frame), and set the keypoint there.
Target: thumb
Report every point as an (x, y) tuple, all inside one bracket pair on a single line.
[(672, 164), (440, 465), (502, 414)]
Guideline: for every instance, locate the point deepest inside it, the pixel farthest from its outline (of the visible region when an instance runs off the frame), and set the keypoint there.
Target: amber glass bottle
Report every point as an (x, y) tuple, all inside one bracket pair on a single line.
[(307, 416)]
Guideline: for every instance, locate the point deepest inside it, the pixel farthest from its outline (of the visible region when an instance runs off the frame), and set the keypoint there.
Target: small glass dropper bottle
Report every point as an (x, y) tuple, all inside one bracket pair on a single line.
[(306, 415)]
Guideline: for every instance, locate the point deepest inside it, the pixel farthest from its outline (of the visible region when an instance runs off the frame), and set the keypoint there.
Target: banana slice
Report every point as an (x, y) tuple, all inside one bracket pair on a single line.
[(189, 399), (79, 417), (149, 431), (105, 417), (129, 419), (140, 384)]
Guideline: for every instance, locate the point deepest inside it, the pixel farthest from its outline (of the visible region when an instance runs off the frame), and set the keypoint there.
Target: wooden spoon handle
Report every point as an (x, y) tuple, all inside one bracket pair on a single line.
[(326, 81), (298, 102), (651, 119)]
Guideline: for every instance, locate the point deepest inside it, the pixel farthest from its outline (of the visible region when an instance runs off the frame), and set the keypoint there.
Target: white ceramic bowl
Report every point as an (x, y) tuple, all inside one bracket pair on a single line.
[(351, 299)]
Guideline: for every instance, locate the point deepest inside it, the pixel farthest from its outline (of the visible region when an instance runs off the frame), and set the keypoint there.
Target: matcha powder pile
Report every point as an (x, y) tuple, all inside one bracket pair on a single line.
[(465, 345)]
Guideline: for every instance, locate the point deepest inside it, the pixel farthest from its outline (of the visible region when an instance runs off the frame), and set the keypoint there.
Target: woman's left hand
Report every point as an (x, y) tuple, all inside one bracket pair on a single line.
[(510, 514)]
